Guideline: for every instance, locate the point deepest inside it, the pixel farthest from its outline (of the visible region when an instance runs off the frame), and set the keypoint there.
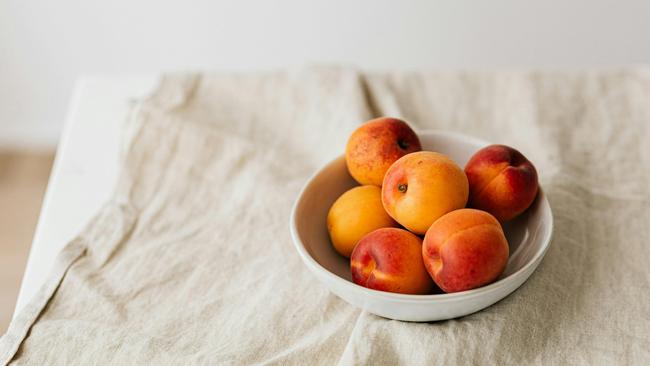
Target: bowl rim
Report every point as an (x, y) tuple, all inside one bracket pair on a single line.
[(317, 268)]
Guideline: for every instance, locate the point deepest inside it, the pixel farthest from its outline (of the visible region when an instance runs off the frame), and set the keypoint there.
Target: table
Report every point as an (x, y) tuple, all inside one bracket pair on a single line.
[(85, 168), (198, 225)]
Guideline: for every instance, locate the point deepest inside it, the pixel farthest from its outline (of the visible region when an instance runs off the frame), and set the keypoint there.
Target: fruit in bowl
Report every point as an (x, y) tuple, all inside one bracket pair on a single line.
[(356, 213), (422, 186), (527, 238), (375, 145), (465, 249), (501, 181), (426, 192), (390, 259)]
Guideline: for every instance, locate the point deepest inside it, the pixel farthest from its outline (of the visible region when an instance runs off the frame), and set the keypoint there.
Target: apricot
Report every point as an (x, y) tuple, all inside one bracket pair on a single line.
[(390, 259), (422, 186), (375, 145), (354, 214), (501, 181), (465, 249)]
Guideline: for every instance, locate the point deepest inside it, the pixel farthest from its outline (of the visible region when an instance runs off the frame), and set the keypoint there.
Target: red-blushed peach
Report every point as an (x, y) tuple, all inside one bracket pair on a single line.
[(375, 145), (465, 249), (354, 214), (501, 181), (422, 186), (390, 260)]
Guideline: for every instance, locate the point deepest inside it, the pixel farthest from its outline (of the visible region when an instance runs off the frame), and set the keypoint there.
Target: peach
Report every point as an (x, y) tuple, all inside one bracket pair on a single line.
[(375, 145), (354, 214), (422, 186), (501, 181), (390, 259), (465, 249)]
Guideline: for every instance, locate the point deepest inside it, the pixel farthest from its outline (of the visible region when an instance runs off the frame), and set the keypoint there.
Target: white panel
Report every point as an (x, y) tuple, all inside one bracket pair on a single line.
[(44, 45)]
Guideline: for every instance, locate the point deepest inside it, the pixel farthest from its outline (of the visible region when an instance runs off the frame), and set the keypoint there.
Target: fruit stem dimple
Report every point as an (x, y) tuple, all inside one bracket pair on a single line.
[(402, 188), (402, 144)]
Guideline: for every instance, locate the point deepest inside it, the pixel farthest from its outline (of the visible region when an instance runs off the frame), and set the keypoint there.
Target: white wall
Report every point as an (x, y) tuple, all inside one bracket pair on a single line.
[(44, 45)]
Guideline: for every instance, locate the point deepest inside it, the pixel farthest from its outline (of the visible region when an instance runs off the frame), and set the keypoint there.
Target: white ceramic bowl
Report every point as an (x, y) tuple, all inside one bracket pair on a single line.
[(529, 237)]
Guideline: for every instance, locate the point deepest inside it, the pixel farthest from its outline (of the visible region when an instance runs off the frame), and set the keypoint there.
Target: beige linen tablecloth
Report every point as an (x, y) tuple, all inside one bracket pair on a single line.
[(191, 262)]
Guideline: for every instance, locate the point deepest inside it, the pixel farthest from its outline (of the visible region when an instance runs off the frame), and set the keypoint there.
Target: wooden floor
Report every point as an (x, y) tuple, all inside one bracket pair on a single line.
[(23, 178)]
